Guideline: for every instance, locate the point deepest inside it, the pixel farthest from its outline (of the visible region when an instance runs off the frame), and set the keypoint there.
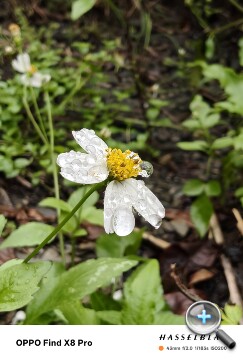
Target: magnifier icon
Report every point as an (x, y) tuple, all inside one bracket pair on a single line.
[(203, 318)]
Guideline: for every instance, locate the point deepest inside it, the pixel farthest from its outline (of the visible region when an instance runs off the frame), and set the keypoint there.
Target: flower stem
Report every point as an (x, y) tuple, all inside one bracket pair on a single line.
[(32, 119), (64, 221), (37, 110), (54, 169)]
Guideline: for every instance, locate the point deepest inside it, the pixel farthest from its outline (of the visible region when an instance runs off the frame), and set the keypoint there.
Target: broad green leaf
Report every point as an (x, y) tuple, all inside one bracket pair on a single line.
[(143, 295), (239, 192), (197, 145), (18, 283), (232, 314), (201, 212), (168, 318), (79, 232), (77, 195), (80, 7), (110, 316), (79, 281), (92, 215), (10, 263), (56, 204), (191, 124), (211, 120), (193, 187), (213, 188), (30, 234), (222, 143), (112, 245), (3, 222), (101, 301), (76, 314), (238, 142), (152, 113)]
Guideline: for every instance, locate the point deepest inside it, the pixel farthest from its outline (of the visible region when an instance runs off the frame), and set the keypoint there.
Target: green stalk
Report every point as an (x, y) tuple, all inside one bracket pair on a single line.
[(54, 170), (37, 110), (32, 119), (65, 220)]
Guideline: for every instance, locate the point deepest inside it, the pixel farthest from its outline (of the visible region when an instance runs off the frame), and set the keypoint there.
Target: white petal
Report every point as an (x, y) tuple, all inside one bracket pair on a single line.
[(118, 215), (82, 168), (145, 202), (90, 142), (21, 63)]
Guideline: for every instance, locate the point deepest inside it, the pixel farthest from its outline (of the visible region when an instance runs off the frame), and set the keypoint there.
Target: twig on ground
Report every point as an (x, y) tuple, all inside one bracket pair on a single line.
[(182, 286), (161, 243), (235, 296), (239, 220)]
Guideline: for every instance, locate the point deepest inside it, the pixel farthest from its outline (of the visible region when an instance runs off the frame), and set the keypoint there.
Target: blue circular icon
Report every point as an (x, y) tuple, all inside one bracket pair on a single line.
[(203, 317)]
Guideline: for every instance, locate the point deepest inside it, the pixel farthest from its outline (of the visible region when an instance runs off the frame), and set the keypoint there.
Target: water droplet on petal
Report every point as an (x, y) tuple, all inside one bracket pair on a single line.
[(141, 205), (98, 172), (91, 159), (123, 221), (161, 212), (76, 164), (147, 168), (127, 199), (90, 149), (155, 220), (96, 140)]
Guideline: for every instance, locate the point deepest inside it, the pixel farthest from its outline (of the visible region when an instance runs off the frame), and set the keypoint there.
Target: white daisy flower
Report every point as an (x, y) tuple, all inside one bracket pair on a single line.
[(30, 76), (123, 193)]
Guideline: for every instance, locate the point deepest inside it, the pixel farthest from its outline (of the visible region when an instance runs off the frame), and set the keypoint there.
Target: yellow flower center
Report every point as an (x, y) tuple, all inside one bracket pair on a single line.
[(123, 165), (32, 69)]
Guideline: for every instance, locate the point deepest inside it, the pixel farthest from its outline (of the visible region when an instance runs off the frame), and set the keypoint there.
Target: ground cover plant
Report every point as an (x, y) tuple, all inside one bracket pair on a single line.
[(121, 160)]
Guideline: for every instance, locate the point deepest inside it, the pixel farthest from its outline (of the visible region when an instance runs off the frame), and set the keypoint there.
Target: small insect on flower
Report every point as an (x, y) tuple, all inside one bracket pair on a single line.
[(123, 193), (30, 77)]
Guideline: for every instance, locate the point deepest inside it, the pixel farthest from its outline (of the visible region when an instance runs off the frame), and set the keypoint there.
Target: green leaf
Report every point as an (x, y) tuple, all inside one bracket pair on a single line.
[(168, 318), (56, 204), (213, 188), (92, 215), (80, 232), (222, 143), (110, 316), (18, 283), (193, 187), (201, 212), (211, 120), (232, 314), (76, 314), (238, 142), (3, 222), (143, 295), (100, 301), (239, 192), (30, 234), (79, 281), (197, 145), (112, 245), (77, 195), (192, 124), (152, 113), (80, 7)]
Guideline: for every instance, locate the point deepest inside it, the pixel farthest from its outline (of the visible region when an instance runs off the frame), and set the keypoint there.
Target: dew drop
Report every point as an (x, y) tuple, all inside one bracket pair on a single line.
[(123, 221), (96, 140), (91, 159), (76, 164), (141, 205), (155, 220), (127, 199), (90, 149)]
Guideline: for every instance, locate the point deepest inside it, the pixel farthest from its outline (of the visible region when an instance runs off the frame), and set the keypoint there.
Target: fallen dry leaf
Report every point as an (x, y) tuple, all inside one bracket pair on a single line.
[(200, 275)]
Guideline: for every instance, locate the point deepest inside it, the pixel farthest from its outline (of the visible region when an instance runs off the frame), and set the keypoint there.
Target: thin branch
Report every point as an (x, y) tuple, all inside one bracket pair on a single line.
[(239, 220), (182, 286), (235, 296)]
